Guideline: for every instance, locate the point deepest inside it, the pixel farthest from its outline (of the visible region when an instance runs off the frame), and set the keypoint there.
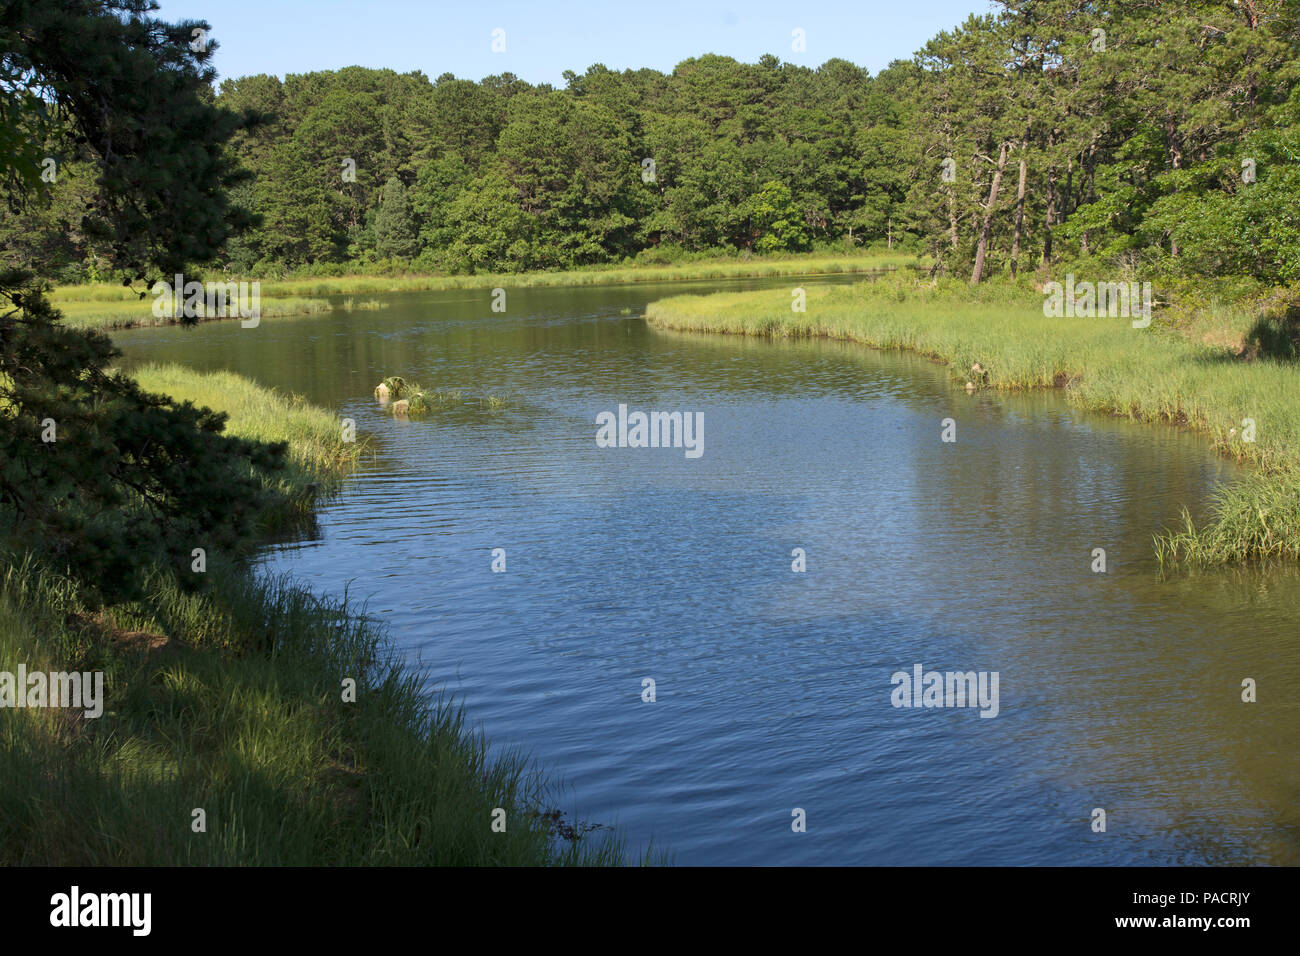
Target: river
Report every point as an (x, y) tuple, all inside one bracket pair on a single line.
[(774, 689)]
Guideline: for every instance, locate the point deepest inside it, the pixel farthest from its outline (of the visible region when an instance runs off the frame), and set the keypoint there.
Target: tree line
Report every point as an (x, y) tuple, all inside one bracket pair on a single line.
[(1162, 133)]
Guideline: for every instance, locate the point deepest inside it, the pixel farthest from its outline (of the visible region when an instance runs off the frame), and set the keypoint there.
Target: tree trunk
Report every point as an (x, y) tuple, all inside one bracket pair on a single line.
[(952, 202), (952, 215), (1068, 196), (1020, 208), (1176, 160), (1051, 202), (1091, 166), (981, 249)]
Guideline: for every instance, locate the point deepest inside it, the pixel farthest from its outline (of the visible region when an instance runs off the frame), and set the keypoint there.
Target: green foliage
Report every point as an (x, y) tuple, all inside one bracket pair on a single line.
[(106, 478), (1103, 364), (504, 177), (493, 230), (1127, 149), (395, 231), (99, 475), (1125, 126), (777, 220), (1225, 225), (101, 80)]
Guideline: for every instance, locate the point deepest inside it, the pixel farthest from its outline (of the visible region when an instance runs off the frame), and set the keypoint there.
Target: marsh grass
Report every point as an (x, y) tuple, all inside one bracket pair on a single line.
[(1161, 373), (229, 698), (236, 709), (422, 401), (89, 299), (370, 305), (129, 314), (111, 307), (318, 457), (722, 268), (407, 398)]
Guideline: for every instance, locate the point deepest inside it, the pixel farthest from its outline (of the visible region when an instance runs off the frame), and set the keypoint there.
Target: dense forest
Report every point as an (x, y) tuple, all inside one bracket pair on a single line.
[(1163, 134)]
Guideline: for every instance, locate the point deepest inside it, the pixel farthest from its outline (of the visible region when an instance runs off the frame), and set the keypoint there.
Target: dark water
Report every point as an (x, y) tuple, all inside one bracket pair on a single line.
[(1117, 691)]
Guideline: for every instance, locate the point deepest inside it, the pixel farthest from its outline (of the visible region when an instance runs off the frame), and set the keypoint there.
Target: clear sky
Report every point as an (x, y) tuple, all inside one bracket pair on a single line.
[(543, 38)]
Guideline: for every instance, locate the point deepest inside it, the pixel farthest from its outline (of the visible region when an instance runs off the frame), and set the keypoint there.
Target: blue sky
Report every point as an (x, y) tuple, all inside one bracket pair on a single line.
[(543, 38)]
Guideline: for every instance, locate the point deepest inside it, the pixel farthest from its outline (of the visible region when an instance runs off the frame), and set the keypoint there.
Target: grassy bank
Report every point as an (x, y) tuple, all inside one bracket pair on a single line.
[(1165, 373), (132, 312), (233, 699), (721, 268), (110, 306), (318, 452)]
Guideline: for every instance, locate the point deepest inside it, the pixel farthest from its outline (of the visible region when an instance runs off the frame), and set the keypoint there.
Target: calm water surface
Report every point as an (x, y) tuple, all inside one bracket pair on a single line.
[(1117, 690)]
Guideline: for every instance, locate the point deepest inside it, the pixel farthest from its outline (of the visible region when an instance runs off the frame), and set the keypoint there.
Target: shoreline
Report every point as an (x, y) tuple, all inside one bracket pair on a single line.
[(1000, 336), (91, 315), (247, 720), (111, 308)]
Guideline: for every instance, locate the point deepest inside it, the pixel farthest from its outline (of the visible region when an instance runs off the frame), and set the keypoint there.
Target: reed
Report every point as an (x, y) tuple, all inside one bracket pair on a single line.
[(1162, 373), (129, 314), (233, 698), (107, 301)]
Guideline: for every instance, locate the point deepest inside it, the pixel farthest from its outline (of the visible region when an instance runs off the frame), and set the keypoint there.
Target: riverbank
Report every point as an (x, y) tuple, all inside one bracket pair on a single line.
[(249, 722), (108, 306), (114, 314), (996, 336)]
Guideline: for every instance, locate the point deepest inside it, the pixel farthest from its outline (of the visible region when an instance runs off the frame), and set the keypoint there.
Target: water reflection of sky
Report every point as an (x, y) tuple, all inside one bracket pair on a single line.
[(1118, 691)]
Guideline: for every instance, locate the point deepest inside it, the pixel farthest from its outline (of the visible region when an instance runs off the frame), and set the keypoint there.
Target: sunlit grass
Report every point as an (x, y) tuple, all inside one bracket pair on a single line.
[(81, 300), (612, 275), (238, 710), (403, 398), (138, 313), (1104, 364), (316, 436), (370, 305), (234, 699)]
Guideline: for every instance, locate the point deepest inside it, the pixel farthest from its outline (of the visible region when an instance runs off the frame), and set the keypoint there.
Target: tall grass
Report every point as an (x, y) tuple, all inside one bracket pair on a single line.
[(109, 314), (230, 699), (79, 299), (316, 437), (237, 710), (403, 398), (612, 275), (1153, 374)]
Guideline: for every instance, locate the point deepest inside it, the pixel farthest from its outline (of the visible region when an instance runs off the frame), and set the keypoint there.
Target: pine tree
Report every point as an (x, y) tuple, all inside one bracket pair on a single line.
[(97, 477), (395, 229)]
